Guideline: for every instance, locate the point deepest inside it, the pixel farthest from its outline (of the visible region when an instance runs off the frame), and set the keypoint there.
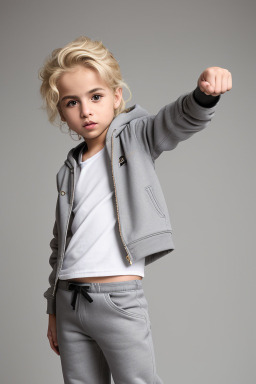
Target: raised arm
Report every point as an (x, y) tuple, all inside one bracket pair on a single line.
[(189, 114)]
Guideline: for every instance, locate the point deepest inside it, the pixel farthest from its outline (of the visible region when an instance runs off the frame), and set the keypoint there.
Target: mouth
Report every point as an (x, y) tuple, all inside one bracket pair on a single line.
[(89, 125)]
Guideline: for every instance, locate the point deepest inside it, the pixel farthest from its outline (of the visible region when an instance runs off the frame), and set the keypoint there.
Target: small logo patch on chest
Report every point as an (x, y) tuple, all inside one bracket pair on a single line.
[(122, 160)]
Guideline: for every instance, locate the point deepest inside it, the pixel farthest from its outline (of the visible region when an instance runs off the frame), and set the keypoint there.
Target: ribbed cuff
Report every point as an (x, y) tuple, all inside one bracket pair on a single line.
[(207, 101)]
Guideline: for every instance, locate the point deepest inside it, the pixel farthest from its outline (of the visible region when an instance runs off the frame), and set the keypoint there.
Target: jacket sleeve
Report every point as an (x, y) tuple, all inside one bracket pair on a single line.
[(51, 301), (174, 122)]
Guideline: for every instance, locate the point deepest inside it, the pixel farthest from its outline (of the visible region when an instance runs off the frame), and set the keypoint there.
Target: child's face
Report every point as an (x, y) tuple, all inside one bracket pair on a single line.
[(80, 102)]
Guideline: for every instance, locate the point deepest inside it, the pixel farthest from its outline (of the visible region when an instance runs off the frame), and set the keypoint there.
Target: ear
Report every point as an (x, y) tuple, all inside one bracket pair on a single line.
[(118, 97)]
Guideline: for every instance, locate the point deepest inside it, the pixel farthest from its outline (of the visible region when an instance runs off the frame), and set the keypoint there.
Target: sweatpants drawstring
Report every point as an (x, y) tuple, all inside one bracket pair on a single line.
[(79, 288)]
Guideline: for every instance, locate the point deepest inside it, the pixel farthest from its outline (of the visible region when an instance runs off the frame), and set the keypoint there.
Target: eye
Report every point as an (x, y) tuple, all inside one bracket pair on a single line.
[(71, 103), (96, 97)]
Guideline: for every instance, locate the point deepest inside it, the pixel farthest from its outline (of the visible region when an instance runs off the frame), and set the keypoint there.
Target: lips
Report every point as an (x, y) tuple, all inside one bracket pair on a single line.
[(89, 123)]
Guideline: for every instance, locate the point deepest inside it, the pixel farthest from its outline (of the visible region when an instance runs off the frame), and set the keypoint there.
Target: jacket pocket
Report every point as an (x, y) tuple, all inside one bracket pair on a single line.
[(154, 201)]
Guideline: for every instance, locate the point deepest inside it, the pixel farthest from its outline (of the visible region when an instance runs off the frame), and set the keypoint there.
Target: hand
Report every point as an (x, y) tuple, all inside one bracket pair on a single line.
[(214, 81), (52, 333)]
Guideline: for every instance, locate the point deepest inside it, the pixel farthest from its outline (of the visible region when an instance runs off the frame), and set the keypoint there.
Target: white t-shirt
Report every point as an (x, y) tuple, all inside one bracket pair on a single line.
[(96, 248)]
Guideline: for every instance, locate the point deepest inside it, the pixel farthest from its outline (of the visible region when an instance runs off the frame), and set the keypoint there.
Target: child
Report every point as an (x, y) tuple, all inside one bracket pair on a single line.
[(111, 216)]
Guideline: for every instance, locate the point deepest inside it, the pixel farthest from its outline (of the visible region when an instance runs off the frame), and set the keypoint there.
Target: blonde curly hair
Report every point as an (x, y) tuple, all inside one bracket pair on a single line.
[(85, 51)]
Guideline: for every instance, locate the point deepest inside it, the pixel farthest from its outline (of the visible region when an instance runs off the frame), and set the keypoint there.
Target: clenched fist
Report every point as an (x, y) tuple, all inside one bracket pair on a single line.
[(214, 81)]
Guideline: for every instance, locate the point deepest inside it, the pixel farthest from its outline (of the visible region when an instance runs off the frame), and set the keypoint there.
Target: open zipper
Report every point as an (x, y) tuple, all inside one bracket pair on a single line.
[(71, 198), (127, 256)]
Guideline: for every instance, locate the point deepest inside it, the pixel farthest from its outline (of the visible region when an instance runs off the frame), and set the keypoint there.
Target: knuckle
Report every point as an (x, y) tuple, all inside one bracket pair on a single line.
[(226, 72)]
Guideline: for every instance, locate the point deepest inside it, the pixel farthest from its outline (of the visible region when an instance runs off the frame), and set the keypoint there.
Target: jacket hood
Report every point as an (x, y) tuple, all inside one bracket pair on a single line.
[(117, 124)]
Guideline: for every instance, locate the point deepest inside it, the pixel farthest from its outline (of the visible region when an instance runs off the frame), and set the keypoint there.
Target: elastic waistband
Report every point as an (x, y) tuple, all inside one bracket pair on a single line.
[(103, 287)]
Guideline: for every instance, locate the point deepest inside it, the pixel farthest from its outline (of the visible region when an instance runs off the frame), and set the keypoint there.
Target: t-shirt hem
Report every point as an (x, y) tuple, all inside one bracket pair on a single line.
[(104, 273)]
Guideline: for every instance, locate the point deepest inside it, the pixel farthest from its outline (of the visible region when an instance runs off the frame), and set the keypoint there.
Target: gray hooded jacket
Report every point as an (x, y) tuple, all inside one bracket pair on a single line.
[(134, 141)]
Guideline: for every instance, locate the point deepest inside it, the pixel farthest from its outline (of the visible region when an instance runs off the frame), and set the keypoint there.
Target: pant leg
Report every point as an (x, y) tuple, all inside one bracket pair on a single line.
[(118, 320), (82, 360)]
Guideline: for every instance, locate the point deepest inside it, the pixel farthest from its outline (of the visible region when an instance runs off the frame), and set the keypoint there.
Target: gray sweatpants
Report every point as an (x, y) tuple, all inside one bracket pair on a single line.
[(104, 329)]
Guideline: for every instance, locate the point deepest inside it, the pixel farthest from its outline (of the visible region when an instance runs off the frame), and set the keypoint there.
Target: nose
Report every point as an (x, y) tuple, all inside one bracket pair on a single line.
[(85, 110)]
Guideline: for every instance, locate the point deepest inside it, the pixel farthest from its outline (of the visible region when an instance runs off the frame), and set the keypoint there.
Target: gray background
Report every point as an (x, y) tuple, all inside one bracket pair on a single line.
[(201, 296)]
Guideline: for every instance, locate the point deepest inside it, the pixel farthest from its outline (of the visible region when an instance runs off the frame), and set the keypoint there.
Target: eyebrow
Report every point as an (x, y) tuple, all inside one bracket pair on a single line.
[(88, 93)]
